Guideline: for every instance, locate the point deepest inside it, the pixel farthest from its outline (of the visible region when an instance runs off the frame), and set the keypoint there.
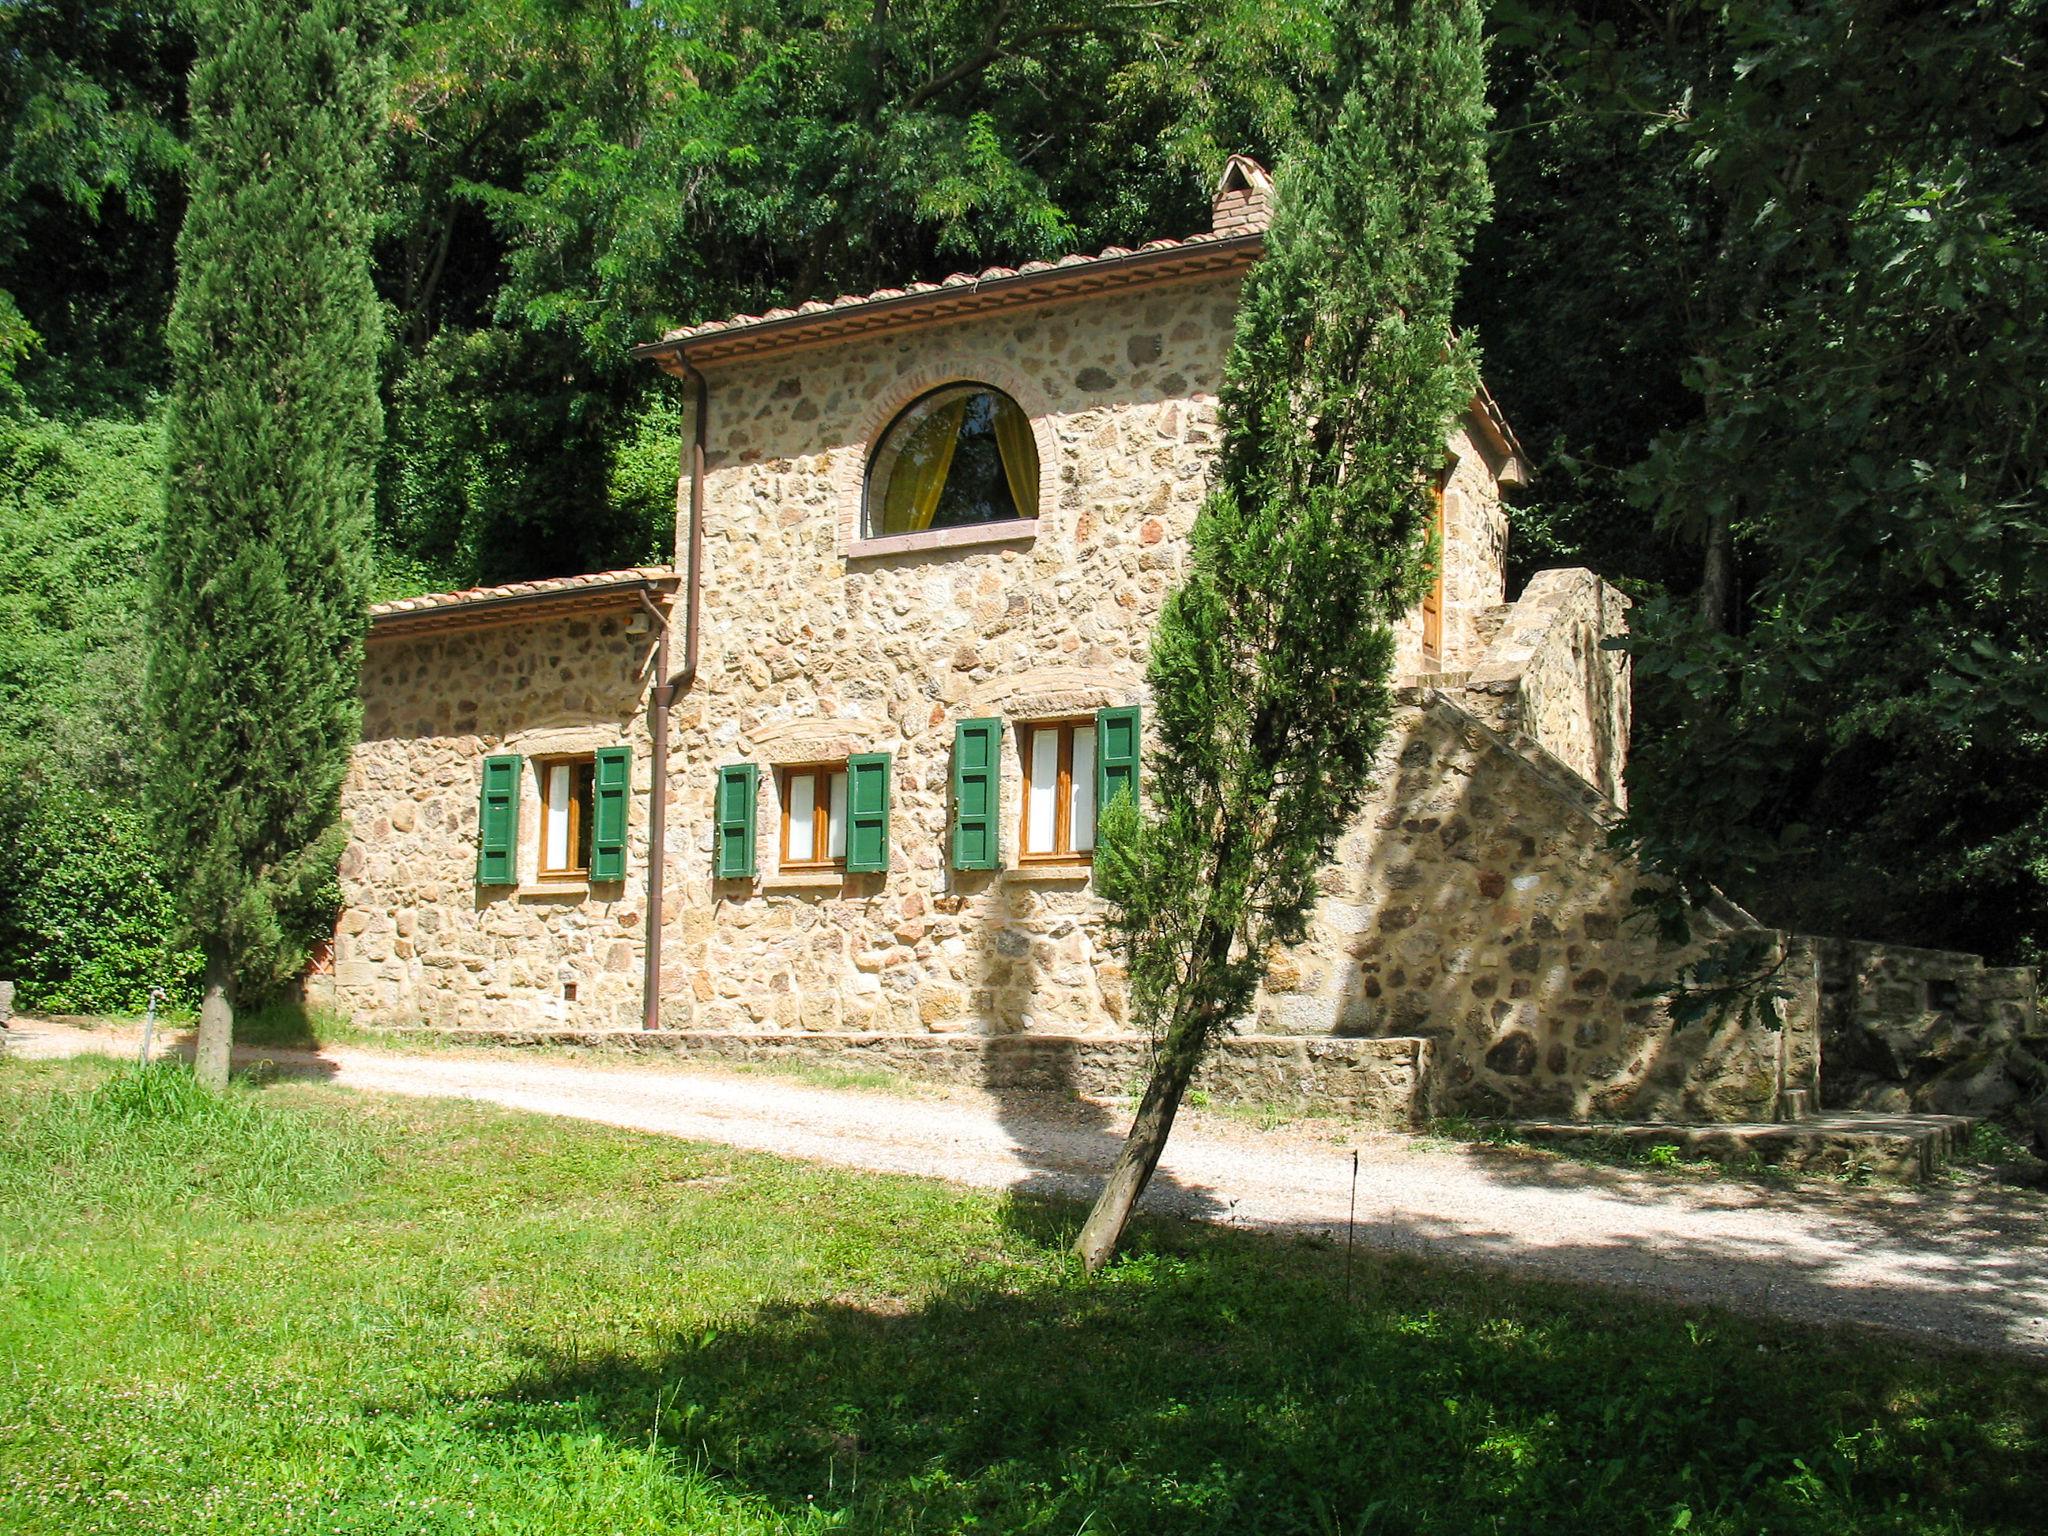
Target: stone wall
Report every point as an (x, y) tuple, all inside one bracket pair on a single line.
[(1548, 676), (1927, 1030), (1389, 1083), (1476, 904), (419, 940)]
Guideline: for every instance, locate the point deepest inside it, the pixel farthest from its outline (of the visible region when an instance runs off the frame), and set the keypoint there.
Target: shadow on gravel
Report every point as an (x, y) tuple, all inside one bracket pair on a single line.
[(1967, 1268), (1034, 1082)]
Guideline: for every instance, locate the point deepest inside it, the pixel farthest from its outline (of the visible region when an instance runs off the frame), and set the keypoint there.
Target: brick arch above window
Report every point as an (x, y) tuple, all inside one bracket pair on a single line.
[(850, 470), (1039, 693), (815, 740)]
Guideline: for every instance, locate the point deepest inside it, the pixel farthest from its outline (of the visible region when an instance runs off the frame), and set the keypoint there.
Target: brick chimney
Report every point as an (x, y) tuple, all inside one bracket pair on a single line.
[(1244, 198)]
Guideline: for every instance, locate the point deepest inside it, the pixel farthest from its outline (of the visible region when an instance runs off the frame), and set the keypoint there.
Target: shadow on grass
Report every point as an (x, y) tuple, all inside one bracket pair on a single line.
[(1217, 1382)]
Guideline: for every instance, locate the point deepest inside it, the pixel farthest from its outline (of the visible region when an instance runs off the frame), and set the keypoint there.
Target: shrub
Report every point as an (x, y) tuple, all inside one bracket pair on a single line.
[(86, 924)]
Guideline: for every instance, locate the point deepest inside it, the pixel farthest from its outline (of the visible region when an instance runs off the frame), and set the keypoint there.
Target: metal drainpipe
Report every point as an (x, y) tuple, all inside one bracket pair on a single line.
[(666, 688)]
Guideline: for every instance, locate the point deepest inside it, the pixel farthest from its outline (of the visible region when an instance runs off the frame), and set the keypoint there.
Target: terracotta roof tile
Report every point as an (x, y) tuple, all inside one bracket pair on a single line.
[(954, 280), (596, 582)]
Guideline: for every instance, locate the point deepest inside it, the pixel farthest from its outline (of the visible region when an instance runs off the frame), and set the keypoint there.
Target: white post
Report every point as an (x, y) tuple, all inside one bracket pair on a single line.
[(156, 995)]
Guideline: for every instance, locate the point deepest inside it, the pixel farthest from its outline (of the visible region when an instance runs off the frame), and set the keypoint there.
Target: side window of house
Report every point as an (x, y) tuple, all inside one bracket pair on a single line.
[(813, 816), (1071, 769), (835, 816), (956, 457), (1059, 791), (583, 815), (568, 788), (1433, 599)]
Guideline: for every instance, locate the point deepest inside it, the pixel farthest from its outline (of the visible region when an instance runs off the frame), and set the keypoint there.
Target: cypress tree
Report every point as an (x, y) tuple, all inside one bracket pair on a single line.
[(261, 577), (1271, 665)]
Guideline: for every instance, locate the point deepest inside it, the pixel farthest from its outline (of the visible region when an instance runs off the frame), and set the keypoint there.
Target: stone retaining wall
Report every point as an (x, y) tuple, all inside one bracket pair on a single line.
[(1927, 1030), (1478, 904), (1387, 1083)]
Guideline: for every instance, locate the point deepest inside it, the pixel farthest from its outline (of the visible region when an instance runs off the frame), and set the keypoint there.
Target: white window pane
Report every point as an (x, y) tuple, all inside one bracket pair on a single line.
[(1042, 795), (555, 855), (835, 819), (803, 812), (1082, 809)]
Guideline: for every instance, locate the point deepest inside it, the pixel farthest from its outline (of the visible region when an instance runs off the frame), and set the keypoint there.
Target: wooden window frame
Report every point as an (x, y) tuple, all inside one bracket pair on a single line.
[(1063, 802), (821, 813), (580, 808), (1433, 599)]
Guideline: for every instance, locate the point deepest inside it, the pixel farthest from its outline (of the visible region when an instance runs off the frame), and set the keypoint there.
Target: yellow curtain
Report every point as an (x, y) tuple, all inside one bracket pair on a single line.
[(918, 476), (1020, 456)]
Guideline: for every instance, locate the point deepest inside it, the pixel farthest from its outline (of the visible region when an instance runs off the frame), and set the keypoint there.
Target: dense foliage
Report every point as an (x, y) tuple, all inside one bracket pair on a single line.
[(85, 921), (1812, 240), (1761, 291), (1272, 663), (259, 583)]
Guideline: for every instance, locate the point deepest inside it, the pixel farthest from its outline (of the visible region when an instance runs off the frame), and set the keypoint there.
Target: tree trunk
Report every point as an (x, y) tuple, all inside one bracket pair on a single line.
[(1139, 1155), (216, 1020), (1717, 576)]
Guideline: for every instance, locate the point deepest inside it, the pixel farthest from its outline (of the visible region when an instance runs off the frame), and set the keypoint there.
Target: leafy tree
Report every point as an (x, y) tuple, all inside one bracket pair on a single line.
[(258, 591), (1839, 256), (90, 165), (1271, 664), (85, 920)]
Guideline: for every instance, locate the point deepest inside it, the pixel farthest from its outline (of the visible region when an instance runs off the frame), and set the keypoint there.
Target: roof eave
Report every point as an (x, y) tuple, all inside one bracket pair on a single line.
[(488, 610), (914, 307)]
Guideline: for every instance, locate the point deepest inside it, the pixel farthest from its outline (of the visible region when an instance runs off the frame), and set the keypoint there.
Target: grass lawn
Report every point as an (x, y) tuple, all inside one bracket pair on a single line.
[(303, 1310)]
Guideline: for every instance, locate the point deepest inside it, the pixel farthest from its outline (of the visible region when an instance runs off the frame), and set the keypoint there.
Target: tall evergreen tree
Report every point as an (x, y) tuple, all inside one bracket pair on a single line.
[(274, 425), (1271, 665)]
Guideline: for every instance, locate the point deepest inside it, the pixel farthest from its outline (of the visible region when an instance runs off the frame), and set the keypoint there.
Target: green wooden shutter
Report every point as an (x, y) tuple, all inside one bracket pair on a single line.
[(497, 817), (977, 794), (1116, 754), (611, 792), (735, 857), (867, 813)]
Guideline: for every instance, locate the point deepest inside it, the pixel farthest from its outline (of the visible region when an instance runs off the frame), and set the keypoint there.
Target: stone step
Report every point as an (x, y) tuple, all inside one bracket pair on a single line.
[(1486, 624), (1447, 682), (1907, 1148)]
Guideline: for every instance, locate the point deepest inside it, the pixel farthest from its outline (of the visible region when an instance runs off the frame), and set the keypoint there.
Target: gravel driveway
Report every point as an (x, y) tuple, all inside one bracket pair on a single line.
[(1968, 1266)]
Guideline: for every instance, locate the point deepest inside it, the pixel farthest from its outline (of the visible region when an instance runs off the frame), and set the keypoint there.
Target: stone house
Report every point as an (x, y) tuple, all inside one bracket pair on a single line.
[(827, 788)]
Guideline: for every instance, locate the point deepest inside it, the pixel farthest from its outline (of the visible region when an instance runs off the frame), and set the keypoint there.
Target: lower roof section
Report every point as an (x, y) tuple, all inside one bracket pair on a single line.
[(521, 602)]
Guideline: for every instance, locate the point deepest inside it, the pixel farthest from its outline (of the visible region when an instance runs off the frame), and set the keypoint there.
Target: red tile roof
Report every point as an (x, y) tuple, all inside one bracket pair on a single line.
[(962, 293), (602, 588)]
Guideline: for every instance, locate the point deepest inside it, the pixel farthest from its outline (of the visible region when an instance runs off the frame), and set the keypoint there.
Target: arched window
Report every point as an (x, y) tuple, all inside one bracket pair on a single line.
[(961, 455)]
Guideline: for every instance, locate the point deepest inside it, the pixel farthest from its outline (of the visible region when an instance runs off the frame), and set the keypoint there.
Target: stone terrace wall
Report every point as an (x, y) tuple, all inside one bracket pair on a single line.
[(1477, 905), (1381, 1082), (1927, 1030), (1547, 677), (419, 941)]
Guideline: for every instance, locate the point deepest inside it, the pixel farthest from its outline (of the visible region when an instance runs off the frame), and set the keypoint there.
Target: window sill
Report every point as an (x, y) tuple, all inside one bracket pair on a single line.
[(574, 887), (804, 880), (1016, 531), (1048, 874)]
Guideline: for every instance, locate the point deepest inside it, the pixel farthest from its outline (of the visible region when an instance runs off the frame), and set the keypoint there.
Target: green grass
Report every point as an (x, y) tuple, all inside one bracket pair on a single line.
[(407, 1316)]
